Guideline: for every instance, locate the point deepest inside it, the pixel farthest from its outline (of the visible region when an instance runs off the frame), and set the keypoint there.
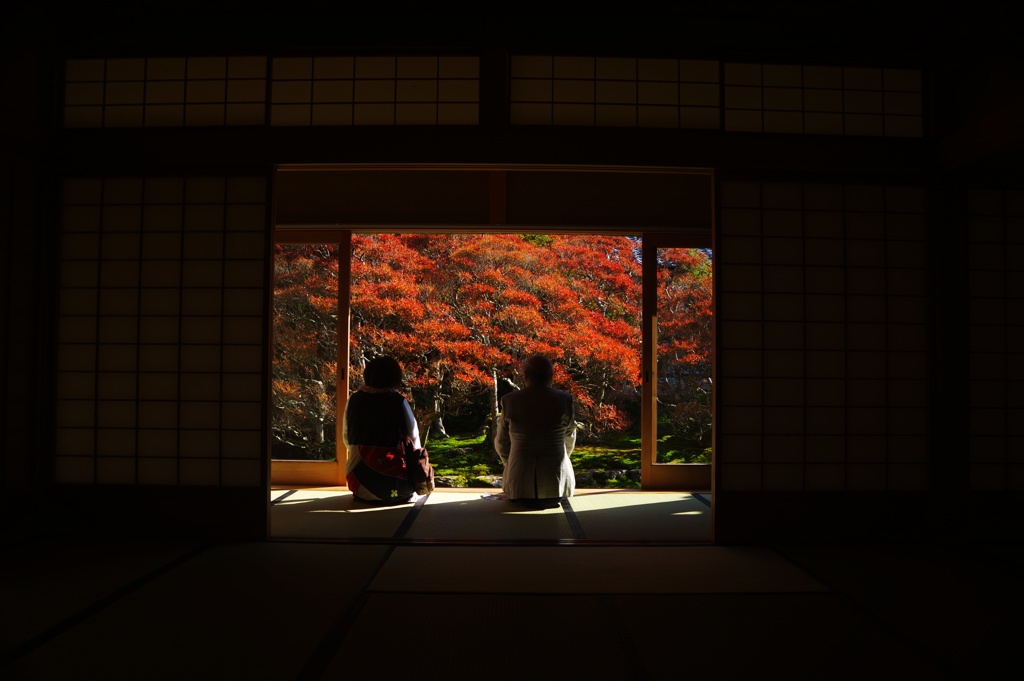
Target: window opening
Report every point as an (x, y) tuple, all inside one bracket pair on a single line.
[(304, 380), (684, 355)]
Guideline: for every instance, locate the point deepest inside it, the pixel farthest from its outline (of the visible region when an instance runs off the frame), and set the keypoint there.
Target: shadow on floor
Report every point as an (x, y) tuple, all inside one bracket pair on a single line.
[(598, 515)]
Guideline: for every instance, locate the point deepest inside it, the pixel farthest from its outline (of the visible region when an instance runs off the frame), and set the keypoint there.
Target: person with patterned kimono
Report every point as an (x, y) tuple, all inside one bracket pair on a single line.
[(378, 421)]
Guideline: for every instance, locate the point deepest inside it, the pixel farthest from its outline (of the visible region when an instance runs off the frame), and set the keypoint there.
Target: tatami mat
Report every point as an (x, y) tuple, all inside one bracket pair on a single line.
[(768, 637), (483, 515), (974, 594), (463, 515), (651, 516), (247, 611), (44, 583), (333, 513), (727, 636), (458, 637), (278, 494), (314, 610), (590, 569)]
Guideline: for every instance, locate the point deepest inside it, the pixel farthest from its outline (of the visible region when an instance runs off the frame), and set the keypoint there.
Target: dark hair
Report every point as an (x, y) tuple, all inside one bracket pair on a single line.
[(538, 369), (383, 372)]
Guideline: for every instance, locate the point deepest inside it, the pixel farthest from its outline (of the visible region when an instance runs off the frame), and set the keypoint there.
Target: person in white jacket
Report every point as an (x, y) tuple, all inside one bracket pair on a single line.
[(535, 434)]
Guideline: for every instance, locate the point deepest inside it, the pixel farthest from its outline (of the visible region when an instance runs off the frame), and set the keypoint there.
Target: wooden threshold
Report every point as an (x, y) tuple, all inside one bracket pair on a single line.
[(287, 472)]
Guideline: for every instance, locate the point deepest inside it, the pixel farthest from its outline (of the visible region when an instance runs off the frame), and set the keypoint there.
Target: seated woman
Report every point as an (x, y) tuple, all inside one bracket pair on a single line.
[(535, 434), (377, 420)]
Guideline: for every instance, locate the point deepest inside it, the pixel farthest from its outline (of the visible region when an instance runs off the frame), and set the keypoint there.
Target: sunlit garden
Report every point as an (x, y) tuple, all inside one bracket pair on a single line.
[(461, 311)]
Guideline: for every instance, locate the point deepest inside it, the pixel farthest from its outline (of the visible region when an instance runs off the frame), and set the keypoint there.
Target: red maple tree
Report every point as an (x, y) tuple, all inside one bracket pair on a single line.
[(461, 312), (475, 306), (304, 373), (685, 341)]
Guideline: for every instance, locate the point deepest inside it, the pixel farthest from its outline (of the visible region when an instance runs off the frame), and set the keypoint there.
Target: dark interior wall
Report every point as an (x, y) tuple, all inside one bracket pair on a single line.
[(973, 146), (24, 291), (21, 357), (612, 198)]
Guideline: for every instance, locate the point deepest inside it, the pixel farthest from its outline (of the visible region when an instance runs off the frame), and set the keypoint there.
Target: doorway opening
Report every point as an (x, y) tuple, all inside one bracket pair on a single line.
[(461, 311), (629, 310)]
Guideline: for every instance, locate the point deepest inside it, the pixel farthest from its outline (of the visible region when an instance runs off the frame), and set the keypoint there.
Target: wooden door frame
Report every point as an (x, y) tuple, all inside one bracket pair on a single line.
[(696, 477)]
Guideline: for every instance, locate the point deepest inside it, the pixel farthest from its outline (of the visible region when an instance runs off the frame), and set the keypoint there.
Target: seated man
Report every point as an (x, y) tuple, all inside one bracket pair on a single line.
[(535, 433)]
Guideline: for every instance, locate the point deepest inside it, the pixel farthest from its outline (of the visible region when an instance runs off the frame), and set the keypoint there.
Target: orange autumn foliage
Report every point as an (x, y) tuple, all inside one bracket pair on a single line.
[(461, 311)]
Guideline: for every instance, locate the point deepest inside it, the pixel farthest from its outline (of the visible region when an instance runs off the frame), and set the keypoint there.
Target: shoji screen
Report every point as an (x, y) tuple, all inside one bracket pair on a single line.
[(823, 100), (165, 92), (375, 90), (823, 338), (615, 91), (996, 294), (303, 91), (709, 94), (161, 331)]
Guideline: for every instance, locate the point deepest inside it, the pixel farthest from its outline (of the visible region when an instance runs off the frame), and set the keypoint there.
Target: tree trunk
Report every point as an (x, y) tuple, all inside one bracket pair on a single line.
[(488, 443), (439, 425), (494, 396), (437, 421)]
